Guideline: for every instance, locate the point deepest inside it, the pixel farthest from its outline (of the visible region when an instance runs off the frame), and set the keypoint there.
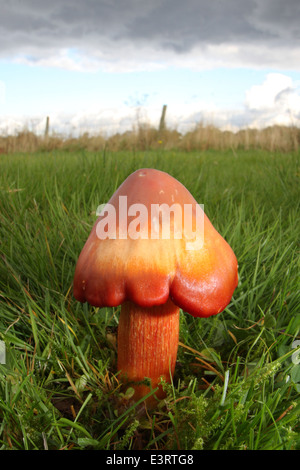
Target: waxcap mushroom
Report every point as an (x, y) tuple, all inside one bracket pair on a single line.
[(128, 261)]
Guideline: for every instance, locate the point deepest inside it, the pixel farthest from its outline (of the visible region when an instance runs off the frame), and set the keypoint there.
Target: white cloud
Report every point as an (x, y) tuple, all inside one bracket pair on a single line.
[(265, 96), (275, 101), (127, 57)]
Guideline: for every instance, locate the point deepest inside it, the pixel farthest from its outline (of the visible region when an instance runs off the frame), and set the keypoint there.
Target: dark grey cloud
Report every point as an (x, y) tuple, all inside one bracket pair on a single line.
[(98, 27), (194, 22)]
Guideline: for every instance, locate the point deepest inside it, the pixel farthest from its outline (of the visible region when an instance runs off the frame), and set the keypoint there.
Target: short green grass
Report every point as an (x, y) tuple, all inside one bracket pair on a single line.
[(237, 379)]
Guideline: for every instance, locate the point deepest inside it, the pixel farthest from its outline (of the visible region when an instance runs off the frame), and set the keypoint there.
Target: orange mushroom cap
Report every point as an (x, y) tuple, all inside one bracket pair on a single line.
[(198, 274)]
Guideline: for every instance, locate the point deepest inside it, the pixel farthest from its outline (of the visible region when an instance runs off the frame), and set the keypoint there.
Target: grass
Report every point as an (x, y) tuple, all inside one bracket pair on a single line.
[(237, 379), (143, 136)]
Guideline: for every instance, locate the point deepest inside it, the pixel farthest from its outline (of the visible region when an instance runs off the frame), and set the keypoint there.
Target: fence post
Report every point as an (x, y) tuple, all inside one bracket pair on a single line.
[(162, 124), (47, 127)]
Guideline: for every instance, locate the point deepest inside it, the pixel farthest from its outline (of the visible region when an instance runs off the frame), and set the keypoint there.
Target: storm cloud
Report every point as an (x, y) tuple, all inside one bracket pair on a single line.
[(134, 34)]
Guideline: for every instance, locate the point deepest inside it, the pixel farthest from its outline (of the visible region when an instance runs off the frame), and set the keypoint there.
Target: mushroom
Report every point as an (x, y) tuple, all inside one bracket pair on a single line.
[(153, 251)]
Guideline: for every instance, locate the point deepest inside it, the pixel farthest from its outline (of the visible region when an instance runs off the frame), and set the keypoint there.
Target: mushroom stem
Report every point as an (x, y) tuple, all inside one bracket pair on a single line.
[(147, 345)]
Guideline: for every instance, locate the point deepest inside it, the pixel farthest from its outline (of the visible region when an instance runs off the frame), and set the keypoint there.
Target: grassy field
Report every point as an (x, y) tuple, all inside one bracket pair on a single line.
[(237, 380)]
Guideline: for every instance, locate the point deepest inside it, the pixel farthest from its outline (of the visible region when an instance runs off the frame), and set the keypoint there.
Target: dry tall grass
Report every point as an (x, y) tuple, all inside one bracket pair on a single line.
[(145, 137)]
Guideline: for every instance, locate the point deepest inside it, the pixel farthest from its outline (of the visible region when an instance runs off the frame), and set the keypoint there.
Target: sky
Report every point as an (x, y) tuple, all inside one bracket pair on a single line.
[(106, 66)]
